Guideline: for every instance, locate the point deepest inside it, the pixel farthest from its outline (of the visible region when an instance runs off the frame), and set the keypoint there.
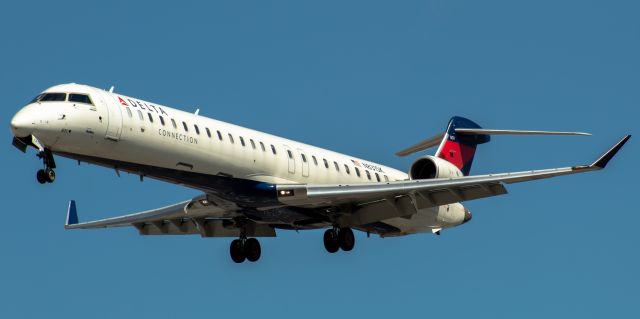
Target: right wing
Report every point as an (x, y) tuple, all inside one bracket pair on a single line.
[(199, 215)]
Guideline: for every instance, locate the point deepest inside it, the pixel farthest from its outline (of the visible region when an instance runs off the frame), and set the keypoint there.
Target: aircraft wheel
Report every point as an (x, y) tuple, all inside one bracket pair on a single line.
[(252, 249), (331, 243), (346, 239), (50, 175), (237, 251), (41, 176)]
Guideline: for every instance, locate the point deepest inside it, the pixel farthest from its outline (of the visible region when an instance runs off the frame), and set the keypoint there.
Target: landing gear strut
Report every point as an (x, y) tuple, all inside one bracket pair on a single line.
[(339, 238), (46, 175), (244, 248)]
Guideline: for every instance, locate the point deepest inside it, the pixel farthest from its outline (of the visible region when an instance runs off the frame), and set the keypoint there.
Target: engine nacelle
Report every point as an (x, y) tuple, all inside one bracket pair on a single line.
[(429, 167)]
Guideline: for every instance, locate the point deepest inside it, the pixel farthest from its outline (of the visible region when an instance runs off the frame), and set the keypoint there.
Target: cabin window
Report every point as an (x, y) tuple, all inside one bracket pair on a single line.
[(326, 164), (140, 115), (273, 150), (242, 141), (304, 158), (161, 119), (290, 155), (231, 138), (262, 147), (150, 117), (335, 164), (315, 161), (346, 169), (368, 174), (377, 177), (386, 179), (197, 129), (129, 112), (173, 122), (219, 135), (208, 132), (253, 144), (357, 171), (80, 98), (186, 128)]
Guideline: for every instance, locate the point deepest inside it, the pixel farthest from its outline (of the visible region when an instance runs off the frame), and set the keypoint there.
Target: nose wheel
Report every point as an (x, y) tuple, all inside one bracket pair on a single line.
[(46, 175)]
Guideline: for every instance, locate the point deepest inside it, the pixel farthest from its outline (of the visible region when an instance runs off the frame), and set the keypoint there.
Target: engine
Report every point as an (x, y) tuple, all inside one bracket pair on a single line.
[(428, 167)]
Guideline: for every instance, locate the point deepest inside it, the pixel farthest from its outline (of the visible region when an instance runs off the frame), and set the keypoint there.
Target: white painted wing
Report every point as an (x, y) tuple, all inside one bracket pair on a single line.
[(436, 191)]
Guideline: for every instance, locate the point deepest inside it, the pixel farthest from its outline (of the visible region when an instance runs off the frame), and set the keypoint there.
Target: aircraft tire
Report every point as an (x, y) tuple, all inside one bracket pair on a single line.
[(50, 175), (252, 249), (346, 239), (41, 176), (331, 243), (237, 251)]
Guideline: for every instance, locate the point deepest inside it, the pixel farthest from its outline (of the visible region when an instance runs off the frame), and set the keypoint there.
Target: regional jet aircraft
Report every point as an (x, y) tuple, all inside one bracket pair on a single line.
[(253, 183)]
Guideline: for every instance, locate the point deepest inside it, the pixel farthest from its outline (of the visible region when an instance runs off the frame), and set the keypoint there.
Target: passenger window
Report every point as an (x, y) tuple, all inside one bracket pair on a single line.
[(80, 98), (386, 179), (208, 132), (377, 177), (219, 135), (262, 147), (368, 174), (150, 117), (290, 155), (336, 166), (186, 128), (140, 115), (304, 158), (173, 122), (161, 119), (326, 164), (253, 144), (197, 129), (273, 150), (346, 169), (242, 141), (357, 171), (315, 161), (129, 112), (53, 97), (231, 138)]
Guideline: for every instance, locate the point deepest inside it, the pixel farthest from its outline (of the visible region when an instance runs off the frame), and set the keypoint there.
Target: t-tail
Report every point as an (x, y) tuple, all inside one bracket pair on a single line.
[(458, 143)]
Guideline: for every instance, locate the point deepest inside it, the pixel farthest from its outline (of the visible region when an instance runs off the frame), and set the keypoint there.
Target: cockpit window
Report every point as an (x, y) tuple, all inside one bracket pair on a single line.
[(51, 97), (80, 98)]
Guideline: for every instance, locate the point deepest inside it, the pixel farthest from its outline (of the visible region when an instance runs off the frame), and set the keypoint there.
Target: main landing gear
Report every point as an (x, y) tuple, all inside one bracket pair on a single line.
[(245, 248), (339, 238), (46, 175)]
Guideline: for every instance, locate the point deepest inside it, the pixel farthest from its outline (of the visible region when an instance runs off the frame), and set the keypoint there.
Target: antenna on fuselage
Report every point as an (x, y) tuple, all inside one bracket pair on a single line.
[(111, 89), (197, 111)]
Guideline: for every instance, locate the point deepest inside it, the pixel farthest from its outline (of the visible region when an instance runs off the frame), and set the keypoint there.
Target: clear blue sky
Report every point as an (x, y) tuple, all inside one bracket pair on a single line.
[(365, 78)]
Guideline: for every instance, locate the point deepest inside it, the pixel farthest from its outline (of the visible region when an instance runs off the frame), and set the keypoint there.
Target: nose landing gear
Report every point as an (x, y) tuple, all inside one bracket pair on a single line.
[(46, 175)]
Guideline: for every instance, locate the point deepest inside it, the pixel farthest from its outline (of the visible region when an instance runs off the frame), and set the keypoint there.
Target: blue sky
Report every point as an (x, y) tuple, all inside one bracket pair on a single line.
[(365, 78)]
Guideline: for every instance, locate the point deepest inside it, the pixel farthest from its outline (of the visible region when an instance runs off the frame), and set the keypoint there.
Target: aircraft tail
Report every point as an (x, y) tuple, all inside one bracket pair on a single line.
[(458, 143)]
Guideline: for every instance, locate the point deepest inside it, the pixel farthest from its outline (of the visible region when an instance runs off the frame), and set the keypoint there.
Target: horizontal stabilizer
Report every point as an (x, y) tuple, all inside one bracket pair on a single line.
[(426, 144), (474, 131)]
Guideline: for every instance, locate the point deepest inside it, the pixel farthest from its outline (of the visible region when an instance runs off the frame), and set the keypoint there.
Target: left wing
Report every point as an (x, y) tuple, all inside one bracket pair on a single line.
[(196, 216), (430, 192)]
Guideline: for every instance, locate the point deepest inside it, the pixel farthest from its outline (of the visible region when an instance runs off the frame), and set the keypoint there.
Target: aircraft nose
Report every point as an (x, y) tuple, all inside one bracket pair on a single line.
[(22, 124), (467, 216)]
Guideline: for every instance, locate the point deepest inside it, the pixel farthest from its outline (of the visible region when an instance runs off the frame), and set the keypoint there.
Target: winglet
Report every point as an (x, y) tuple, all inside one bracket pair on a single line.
[(72, 214), (606, 157)]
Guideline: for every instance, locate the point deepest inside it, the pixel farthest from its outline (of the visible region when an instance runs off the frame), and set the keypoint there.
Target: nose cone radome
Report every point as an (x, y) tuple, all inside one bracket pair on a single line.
[(22, 124), (467, 216)]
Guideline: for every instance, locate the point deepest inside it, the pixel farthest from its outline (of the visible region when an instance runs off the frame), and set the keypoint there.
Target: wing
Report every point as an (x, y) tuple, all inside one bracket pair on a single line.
[(204, 215), (402, 195)]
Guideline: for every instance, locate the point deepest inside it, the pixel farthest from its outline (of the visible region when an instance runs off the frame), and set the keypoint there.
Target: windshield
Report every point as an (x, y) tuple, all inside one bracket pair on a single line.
[(50, 97)]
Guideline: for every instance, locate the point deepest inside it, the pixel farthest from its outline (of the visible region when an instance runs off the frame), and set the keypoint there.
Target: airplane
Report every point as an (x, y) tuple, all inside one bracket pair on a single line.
[(254, 183)]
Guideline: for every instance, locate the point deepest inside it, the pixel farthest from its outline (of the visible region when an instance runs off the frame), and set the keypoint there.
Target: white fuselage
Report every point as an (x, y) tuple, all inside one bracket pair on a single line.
[(126, 129)]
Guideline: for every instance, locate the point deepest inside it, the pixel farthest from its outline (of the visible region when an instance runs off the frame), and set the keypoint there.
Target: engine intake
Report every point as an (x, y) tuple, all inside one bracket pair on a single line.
[(429, 167)]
